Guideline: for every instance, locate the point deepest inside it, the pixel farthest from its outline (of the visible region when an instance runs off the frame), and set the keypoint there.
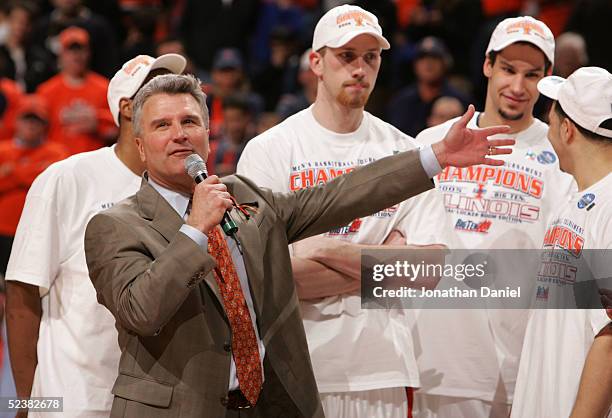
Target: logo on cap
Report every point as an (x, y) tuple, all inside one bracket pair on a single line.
[(355, 15), (132, 66), (528, 28)]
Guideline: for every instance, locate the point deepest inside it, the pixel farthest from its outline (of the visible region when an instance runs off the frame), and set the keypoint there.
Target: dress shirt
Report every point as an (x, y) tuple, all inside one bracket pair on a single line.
[(180, 203), (429, 161)]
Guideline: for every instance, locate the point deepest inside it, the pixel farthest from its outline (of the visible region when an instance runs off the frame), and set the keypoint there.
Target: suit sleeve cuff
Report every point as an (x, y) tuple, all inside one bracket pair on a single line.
[(429, 161), (197, 236)]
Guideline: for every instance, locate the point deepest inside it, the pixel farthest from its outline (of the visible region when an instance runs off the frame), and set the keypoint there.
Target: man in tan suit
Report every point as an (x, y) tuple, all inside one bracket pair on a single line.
[(209, 327)]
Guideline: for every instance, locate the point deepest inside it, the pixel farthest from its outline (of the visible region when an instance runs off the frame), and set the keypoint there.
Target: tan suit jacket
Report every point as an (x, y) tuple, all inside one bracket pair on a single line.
[(158, 284)]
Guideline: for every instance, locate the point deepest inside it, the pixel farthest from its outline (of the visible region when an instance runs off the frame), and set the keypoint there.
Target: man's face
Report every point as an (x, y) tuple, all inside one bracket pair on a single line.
[(235, 123), (68, 7), (226, 80), (444, 109), (280, 52), (567, 60), (170, 47), (19, 23), (349, 73), (513, 80), (176, 47), (30, 129), (172, 127), (429, 69), (75, 60)]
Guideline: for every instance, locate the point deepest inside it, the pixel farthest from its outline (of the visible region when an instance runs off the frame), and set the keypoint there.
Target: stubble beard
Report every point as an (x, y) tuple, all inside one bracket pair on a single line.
[(355, 102), (510, 117)]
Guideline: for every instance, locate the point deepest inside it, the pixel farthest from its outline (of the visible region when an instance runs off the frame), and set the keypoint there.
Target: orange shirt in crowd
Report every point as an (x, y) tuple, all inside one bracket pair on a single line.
[(404, 11), (67, 103), (13, 95), (556, 15), (216, 117), (222, 160), (492, 8), (18, 169)]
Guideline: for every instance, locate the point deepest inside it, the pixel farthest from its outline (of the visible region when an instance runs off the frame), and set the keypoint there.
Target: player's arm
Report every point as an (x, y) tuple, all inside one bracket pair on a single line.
[(345, 258), (594, 397), (23, 314), (314, 280)]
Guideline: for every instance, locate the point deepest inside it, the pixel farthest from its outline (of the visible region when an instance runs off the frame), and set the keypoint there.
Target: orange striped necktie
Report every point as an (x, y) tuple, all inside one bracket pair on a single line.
[(244, 340)]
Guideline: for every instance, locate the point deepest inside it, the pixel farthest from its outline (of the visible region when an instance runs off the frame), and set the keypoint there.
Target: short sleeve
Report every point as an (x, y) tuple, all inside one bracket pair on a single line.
[(598, 319), (263, 162), (35, 256)]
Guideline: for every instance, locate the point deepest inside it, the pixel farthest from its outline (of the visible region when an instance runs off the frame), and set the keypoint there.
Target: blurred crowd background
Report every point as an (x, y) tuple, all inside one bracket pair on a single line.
[(252, 57), (57, 56)]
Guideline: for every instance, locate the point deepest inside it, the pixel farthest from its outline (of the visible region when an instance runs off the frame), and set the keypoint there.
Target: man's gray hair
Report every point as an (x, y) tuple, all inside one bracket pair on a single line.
[(168, 84)]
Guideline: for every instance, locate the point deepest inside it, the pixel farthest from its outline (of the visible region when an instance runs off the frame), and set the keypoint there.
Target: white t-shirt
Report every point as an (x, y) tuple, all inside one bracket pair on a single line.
[(490, 208), (78, 353), (557, 340), (352, 349)]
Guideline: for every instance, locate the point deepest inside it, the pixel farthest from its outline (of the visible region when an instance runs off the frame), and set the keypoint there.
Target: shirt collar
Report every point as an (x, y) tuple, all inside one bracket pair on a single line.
[(178, 201)]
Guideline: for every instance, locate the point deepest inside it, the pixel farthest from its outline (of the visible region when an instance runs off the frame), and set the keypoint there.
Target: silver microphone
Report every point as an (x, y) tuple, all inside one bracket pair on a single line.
[(196, 168)]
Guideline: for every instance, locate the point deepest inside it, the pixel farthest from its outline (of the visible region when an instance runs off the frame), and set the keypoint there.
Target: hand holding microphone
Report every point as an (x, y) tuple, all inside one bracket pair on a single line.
[(210, 201)]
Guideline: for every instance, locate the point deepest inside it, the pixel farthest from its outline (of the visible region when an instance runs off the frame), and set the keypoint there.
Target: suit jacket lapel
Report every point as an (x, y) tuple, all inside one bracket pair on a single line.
[(167, 222), (153, 207)]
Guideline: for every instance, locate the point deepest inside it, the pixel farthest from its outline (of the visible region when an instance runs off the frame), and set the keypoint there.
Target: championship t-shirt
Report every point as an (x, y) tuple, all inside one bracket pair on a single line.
[(352, 349), (503, 207), (78, 352), (557, 340)]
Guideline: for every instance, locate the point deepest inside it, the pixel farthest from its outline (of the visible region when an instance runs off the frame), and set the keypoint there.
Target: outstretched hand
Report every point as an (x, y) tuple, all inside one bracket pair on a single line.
[(463, 147)]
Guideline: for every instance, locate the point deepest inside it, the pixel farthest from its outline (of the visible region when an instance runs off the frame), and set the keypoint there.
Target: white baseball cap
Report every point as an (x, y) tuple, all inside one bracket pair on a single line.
[(523, 29), (585, 96), (342, 23), (126, 82)]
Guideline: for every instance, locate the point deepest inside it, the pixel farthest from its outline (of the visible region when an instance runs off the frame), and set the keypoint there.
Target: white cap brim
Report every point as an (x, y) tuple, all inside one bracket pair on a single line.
[(549, 86), (584, 96), (347, 37), (549, 55), (173, 62)]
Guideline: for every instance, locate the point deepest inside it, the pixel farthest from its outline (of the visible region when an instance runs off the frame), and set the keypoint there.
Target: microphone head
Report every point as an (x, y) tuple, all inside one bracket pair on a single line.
[(195, 166)]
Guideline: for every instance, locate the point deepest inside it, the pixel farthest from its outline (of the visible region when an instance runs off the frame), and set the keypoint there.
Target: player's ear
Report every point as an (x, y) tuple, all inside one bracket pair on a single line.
[(316, 61), (125, 108), (568, 131), (487, 67), (140, 145)]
